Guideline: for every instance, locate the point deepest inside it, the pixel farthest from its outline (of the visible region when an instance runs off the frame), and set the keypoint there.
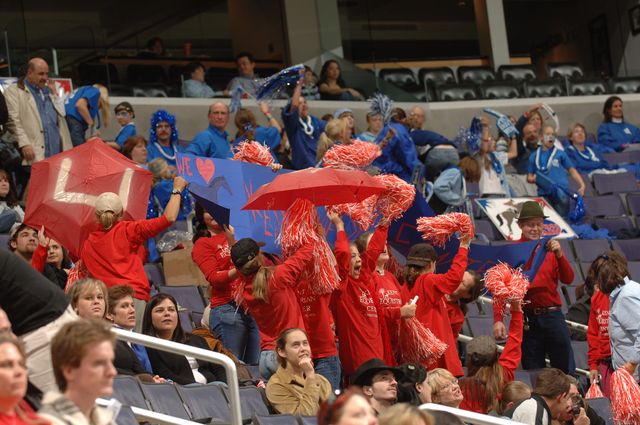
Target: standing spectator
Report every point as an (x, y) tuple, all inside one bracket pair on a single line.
[(530, 142), (310, 85), (36, 115), (195, 86), (332, 86), (615, 132), (125, 116), (374, 125), (417, 118), (379, 383), (10, 212), (493, 179), (82, 357), (248, 129), (546, 333), (163, 138), (155, 48), (82, 110), (214, 141), (24, 242), (399, 156), (303, 130), (135, 148), (247, 78)]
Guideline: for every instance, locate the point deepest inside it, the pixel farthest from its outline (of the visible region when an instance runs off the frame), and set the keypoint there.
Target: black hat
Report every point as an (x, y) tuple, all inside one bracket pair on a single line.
[(367, 370), (123, 106), (531, 209), (420, 254), (243, 251)]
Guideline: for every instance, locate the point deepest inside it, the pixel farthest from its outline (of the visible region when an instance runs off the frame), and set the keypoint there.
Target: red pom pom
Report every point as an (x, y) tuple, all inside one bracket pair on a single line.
[(357, 155), (594, 391), (362, 213), (625, 398), (396, 199), (79, 271), (417, 344), (506, 285), (438, 229), (253, 152), (300, 227)]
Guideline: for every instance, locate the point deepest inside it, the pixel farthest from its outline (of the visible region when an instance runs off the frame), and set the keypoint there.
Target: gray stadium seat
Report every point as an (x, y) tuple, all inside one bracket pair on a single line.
[(602, 406), (205, 401), (187, 296), (629, 247), (587, 87), (475, 74), (633, 201), (401, 77), (4, 241), (499, 90), (154, 273), (164, 398), (517, 72), (564, 70), (126, 389), (614, 183), (450, 93), (308, 420), (126, 416), (523, 376), (588, 250), (634, 270), (274, 419), (625, 85), (605, 205), (614, 224), (543, 89), (487, 228), (251, 401)]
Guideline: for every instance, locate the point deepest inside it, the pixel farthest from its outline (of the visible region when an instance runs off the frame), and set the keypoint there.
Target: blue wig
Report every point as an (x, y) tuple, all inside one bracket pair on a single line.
[(159, 116)]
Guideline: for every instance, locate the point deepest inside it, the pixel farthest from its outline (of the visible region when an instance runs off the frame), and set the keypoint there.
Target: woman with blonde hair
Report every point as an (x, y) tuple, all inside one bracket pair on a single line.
[(82, 111), (89, 298), (405, 414), (445, 389), (336, 131)]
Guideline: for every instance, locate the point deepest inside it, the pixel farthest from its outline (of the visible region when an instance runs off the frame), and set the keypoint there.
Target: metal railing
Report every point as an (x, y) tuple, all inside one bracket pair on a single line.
[(198, 353), (467, 416)]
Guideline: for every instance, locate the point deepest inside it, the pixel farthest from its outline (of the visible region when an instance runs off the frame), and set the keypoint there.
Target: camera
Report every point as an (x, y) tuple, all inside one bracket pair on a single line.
[(577, 403)]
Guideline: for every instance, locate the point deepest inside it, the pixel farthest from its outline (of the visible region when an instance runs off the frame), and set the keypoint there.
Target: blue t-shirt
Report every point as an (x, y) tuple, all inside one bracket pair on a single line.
[(161, 194), (92, 95), (399, 157), (212, 143), (129, 130), (303, 145), (589, 159), (552, 163), (614, 135), (168, 153)]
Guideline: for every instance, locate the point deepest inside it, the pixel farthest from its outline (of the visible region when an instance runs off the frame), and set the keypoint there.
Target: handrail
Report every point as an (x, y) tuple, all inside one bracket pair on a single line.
[(144, 415), (469, 417), (198, 353)]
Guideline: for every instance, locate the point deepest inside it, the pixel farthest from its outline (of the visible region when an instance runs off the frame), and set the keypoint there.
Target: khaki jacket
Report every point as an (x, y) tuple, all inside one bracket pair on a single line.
[(61, 411), (291, 394), (25, 122)]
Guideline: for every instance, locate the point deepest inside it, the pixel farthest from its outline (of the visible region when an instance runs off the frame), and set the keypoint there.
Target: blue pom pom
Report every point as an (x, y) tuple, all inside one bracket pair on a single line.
[(381, 105), (471, 137), (272, 85), (236, 99), (160, 116)]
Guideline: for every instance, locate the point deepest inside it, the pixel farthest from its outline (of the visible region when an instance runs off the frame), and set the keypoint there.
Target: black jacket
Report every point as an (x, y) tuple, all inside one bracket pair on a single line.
[(176, 367), (126, 362)]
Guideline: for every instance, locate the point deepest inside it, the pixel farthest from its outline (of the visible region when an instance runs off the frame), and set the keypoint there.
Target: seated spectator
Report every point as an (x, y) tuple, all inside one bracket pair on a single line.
[(295, 388), (348, 408), (58, 263), (332, 86), (379, 383), (303, 130), (346, 114), (89, 298), (195, 86), (214, 141), (163, 138), (586, 415), (155, 48), (130, 358), (125, 116), (445, 418), (374, 125), (550, 400), (310, 85), (404, 414), (416, 118), (161, 320), (549, 168), (445, 389), (135, 148), (529, 142), (493, 178), (24, 242), (248, 129), (615, 132), (336, 132), (82, 111), (513, 393), (10, 212), (162, 189), (413, 387), (82, 357), (13, 383), (247, 78)]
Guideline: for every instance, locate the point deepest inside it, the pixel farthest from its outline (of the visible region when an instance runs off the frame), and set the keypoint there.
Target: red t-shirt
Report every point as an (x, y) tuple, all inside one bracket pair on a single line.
[(112, 256), (390, 299), (282, 311), (213, 257), (598, 331), (318, 321), (432, 311), (456, 317)]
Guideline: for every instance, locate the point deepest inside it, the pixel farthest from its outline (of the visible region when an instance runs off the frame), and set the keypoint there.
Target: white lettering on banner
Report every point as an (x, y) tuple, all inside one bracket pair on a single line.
[(61, 195)]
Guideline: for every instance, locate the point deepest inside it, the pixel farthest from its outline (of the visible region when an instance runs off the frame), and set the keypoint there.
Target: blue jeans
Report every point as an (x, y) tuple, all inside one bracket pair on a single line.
[(77, 130), (547, 334), (330, 368), (268, 364), (237, 330), (7, 219)]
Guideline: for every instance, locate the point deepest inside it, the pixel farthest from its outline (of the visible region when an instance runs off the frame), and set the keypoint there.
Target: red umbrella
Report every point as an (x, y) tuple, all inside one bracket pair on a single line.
[(63, 190), (322, 186)]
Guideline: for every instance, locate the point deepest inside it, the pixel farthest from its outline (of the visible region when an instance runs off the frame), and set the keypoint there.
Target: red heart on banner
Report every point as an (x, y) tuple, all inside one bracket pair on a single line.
[(206, 169)]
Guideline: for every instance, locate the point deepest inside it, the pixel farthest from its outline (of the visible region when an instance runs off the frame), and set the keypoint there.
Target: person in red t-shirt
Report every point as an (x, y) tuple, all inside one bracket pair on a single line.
[(111, 253), (236, 329), (546, 332), (468, 291), (488, 372), (432, 311), (269, 295)]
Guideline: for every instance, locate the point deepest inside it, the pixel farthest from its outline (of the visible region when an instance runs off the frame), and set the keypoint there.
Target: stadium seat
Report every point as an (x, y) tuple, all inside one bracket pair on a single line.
[(499, 90), (185, 321), (154, 273), (205, 401), (622, 157), (602, 406), (187, 296), (606, 205), (164, 398), (148, 92), (197, 319), (634, 269), (401, 77), (543, 89), (487, 228), (480, 325), (614, 224), (434, 77), (577, 273), (4, 241), (580, 349), (251, 401), (588, 250), (625, 85), (587, 87), (523, 376), (564, 70), (614, 183), (629, 247), (633, 202), (567, 249), (308, 420), (475, 74), (450, 93), (517, 72), (126, 389), (145, 74), (126, 416), (274, 419)]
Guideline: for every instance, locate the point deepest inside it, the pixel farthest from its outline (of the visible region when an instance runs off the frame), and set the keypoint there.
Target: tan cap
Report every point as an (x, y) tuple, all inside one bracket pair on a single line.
[(108, 201)]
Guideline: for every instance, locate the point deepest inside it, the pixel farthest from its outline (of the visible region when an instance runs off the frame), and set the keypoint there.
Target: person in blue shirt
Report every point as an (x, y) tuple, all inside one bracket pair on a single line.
[(82, 111), (374, 125), (214, 141), (162, 190), (399, 157), (303, 130), (125, 116), (247, 77), (163, 138), (615, 132), (248, 129), (195, 86), (549, 167)]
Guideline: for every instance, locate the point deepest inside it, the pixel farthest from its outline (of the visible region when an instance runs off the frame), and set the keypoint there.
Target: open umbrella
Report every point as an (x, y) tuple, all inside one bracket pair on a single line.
[(63, 190), (321, 186)]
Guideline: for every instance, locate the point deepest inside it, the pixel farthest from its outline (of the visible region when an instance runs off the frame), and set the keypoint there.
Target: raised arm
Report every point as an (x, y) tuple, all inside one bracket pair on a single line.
[(510, 357), (375, 248), (342, 252)]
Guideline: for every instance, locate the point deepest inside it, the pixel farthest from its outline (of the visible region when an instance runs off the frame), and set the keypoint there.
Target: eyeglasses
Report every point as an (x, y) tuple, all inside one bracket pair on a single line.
[(123, 114), (451, 385)]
